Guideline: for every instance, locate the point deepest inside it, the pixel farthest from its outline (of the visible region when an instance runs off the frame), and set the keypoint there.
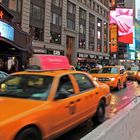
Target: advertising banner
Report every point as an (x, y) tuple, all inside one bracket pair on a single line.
[(113, 38), (123, 17)]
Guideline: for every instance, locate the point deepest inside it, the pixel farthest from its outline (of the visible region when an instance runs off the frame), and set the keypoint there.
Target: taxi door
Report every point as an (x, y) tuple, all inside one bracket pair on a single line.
[(64, 109), (88, 96)]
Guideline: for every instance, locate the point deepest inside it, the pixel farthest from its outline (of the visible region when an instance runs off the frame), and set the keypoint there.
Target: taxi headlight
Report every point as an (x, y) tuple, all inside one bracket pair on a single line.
[(135, 73), (95, 79), (139, 74), (112, 79)]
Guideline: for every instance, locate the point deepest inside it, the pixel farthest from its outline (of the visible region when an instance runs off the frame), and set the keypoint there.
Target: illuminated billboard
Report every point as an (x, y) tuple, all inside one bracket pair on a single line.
[(123, 18), (6, 31), (113, 38)]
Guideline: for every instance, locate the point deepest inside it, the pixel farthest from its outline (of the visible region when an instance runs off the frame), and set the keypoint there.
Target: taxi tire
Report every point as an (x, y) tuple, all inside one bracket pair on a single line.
[(99, 117), (29, 134)]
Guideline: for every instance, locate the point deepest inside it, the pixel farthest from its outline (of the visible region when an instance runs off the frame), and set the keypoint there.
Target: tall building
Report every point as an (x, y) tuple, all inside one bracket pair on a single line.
[(76, 28), (138, 14)]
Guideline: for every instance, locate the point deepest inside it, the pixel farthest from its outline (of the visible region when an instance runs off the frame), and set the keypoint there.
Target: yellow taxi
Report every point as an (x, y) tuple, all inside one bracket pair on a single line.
[(114, 76), (94, 70), (47, 100), (138, 76), (132, 72)]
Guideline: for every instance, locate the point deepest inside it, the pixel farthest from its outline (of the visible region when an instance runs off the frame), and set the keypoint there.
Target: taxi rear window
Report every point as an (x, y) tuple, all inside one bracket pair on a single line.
[(27, 86)]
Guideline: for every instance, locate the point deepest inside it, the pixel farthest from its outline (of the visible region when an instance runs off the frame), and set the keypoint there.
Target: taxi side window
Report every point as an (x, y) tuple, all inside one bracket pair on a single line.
[(65, 86), (84, 82)]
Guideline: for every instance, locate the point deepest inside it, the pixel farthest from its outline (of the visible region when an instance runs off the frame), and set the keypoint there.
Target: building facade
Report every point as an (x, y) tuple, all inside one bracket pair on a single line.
[(78, 29), (15, 44)]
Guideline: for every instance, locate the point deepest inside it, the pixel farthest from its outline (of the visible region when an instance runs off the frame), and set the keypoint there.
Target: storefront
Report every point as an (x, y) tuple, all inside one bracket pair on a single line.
[(54, 52), (15, 45)]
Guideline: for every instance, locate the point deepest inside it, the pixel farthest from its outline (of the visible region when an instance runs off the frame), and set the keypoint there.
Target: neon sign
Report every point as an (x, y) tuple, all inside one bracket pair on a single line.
[(1, 14)]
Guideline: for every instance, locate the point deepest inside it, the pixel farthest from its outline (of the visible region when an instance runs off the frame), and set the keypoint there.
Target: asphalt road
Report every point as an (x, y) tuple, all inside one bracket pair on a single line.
[(120, 99)]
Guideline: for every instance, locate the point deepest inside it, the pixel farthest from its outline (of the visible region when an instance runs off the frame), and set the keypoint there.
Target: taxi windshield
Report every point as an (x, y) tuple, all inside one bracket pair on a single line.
[(109, 70), (134, 68), (26, 86), (94, 71)]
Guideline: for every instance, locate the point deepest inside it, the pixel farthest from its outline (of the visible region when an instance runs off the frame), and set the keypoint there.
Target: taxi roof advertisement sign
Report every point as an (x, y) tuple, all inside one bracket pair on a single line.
[(50, 62)]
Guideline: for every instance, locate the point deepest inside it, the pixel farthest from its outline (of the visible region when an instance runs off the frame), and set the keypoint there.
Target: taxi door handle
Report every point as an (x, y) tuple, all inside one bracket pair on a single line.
[(78, 100), (97, 92), (72, 102)]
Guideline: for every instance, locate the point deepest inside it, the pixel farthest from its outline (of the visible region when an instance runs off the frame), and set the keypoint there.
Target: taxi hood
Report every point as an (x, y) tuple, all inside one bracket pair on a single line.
[(12, 107), (104, 75)]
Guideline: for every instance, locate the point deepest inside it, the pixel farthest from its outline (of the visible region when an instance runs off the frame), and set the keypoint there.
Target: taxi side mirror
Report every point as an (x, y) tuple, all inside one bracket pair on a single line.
[(61, 95)]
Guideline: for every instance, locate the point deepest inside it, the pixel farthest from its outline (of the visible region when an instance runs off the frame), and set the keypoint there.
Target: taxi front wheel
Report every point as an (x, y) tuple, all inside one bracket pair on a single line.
[(99, 117), (29, 134)]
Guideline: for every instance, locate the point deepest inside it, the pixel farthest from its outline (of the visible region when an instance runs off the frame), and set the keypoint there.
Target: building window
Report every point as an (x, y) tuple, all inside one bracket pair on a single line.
[(99, 35), (15, 5), (82, 14), (55, 37), (82, 28), (57, 3), (56, 19), (71, 24), (36, 33), (91, 32), (37, 12), (105, 37), (71, 8), (5, 2)]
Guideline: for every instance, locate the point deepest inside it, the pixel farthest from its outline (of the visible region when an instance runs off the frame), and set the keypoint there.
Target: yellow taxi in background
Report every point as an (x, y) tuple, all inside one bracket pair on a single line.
[(94, 70), (45, 101), (132, 72), (114, 76)]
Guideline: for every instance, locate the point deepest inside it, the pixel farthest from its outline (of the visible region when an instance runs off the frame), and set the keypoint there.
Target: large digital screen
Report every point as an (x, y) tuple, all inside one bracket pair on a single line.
[(6, 31), (132, 46), (123, 18)]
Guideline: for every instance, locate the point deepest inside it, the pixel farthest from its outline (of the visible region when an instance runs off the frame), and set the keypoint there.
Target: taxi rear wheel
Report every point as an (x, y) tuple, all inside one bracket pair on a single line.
[(29, 134), (100, 113)]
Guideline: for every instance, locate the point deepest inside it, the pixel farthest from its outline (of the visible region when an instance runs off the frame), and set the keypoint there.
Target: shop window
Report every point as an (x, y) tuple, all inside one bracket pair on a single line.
[(15, 5), (36, 33), (55, 37), (56, 19)]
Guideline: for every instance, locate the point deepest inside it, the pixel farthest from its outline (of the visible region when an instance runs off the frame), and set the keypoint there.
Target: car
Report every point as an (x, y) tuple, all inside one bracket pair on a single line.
[(3, 75), (94, 70), (44, 102), (132, 72), (138, 76), (114, 76)]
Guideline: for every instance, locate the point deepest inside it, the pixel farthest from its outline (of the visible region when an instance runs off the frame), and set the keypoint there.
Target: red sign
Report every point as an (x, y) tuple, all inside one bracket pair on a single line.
[(1, 14), (50, 62), (113, 38)]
